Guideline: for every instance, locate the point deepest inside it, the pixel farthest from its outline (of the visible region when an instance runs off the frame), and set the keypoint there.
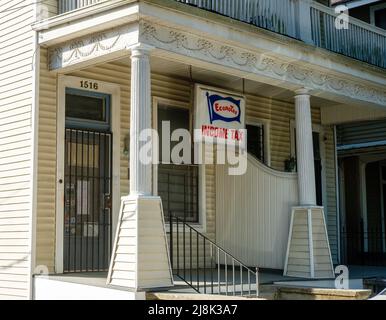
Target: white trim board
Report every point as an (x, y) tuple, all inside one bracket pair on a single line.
[(115, 92)]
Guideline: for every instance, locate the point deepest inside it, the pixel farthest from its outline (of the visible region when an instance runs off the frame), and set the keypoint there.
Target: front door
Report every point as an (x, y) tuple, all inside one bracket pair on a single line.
[(87, 182)]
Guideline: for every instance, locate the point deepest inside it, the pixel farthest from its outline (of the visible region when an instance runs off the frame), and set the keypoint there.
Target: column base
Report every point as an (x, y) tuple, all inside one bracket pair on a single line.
[(308, 251), (140, 258)]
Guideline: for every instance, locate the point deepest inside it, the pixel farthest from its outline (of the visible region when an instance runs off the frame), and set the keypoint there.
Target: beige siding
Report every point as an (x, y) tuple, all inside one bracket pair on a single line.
[(162, 87), (277, 113), (45, 222), (123, 271), (47, 9), (299, 250), (16, 84), (331, 207), (299, 255)]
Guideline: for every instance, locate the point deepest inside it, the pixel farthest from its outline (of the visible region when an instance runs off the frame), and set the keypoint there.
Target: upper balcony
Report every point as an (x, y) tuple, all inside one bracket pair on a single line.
[(305, 20)]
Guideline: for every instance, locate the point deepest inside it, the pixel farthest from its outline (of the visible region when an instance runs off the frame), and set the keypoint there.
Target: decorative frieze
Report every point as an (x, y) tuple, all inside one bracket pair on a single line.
[(261, 64), (91, 46)]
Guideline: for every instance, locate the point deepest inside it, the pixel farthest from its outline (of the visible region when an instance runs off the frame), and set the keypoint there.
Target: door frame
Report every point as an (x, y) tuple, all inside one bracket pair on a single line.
[(115, 108)]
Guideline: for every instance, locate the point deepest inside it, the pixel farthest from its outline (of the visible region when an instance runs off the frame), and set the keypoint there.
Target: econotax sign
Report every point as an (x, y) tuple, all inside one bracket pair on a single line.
[(219, 116)]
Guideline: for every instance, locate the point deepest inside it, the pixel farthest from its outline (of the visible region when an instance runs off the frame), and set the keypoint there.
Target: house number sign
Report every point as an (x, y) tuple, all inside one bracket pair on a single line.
[(85, 84)]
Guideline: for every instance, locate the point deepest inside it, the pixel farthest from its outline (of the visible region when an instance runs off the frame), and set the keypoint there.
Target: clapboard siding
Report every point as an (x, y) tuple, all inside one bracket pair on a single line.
[(331, 207), (277, 113), (16, 86), (162, 87)]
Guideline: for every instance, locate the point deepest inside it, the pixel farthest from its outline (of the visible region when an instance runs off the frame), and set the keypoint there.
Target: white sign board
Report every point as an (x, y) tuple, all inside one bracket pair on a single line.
[(219, 116)]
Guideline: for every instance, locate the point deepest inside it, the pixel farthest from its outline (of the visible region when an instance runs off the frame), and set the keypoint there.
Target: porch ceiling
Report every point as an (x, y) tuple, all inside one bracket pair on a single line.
[(223, 80)]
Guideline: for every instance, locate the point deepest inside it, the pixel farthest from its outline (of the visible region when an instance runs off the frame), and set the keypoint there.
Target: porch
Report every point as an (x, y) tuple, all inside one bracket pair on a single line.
[(92, 286), (317, 26), (149, 69)]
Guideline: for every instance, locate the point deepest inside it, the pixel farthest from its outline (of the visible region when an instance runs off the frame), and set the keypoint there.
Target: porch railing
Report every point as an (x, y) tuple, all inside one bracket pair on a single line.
[(205, 266), (364, 247), (275, 15), (311, 22), (69, 5), (360, 40)]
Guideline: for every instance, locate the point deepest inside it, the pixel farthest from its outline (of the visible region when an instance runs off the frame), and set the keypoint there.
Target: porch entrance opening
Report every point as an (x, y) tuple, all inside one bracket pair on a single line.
[(364, 228), (177, 183), (87, 182)]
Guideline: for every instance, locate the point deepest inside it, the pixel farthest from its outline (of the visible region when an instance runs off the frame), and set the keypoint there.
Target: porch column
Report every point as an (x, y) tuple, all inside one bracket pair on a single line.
[(304, 149), (140, 258), (307, 219), (140, 173)]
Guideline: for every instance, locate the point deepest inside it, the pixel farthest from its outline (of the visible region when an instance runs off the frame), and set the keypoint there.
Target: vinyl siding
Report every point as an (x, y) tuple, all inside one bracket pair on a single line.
[(16, 85), (277, 113), (115, 72)]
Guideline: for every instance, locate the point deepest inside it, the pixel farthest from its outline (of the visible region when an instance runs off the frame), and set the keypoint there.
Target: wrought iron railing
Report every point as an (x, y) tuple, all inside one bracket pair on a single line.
[(205, 266), (364, 247)]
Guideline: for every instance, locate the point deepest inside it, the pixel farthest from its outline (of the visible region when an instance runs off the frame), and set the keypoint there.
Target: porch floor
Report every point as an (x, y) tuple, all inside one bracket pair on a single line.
[(268, 280)]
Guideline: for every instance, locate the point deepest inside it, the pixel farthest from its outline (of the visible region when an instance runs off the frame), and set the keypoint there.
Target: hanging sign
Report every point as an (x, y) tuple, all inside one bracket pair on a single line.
[(219, 116)]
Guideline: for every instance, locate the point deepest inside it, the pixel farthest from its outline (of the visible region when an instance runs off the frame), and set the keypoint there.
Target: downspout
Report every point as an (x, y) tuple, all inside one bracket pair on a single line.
[(337, 194), (35, 66)]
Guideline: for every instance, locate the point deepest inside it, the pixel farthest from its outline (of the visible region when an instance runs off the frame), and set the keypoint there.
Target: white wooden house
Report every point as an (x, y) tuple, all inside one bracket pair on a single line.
[(82, 217)]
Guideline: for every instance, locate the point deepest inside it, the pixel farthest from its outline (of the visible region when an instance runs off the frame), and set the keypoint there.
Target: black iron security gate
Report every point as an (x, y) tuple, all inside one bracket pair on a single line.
[(87, 200)]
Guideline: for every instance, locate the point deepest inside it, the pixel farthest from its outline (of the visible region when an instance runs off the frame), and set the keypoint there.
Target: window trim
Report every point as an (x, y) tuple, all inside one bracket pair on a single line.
[(202, 217), (267, 134), (373, 9), (93, 124)]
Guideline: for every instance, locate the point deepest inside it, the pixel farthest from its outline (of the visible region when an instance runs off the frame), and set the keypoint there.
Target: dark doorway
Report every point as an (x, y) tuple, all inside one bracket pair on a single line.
[(87, 183)]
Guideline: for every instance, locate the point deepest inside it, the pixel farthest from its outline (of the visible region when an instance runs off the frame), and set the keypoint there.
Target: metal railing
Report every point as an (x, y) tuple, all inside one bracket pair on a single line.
[(205, 266), (364, 248)]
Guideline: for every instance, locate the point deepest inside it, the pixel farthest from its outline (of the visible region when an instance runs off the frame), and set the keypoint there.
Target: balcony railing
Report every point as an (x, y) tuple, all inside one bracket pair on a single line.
[(69, 5), (310, 22), (360, 40)]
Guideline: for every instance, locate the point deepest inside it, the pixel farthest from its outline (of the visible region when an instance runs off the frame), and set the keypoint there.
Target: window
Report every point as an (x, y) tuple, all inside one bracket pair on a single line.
[(378, 15), (380, 18), (87, 108), (177, 184), (255, 141)]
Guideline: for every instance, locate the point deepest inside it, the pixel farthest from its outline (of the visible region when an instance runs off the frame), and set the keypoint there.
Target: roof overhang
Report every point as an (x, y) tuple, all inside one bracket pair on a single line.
[(354, 3)]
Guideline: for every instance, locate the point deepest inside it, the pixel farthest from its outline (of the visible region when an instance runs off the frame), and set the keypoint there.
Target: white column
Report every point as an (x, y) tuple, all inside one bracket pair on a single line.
[(140, 119), (304, 149)]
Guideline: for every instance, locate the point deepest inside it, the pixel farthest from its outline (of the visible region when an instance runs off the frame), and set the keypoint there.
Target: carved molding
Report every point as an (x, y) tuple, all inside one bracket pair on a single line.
[(258, 63), (89, 47), (204, 49)]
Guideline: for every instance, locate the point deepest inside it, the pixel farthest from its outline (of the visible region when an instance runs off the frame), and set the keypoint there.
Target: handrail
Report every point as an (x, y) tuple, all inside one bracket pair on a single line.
[(352, 20), (362, 41), (222, 286)]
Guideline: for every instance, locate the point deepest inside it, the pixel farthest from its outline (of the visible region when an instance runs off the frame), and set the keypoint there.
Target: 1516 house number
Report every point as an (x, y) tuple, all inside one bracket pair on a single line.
[(89, 85)]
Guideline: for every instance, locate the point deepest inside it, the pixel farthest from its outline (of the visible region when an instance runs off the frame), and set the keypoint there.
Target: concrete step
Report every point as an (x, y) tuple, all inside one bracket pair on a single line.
[(192, 296)]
